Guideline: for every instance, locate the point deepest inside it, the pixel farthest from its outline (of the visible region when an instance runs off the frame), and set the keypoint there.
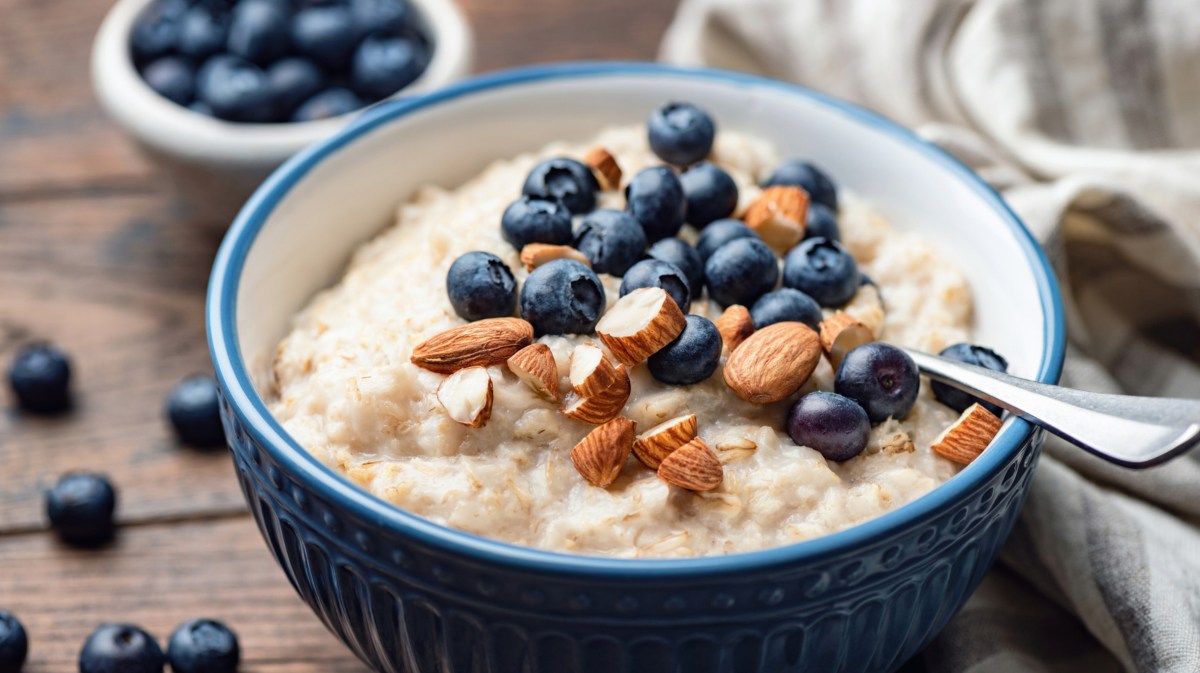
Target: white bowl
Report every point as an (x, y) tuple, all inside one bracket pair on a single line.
[(215, 165)]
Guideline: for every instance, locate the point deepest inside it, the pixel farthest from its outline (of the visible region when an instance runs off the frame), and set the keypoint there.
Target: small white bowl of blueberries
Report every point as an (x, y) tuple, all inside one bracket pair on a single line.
[(218, 93)]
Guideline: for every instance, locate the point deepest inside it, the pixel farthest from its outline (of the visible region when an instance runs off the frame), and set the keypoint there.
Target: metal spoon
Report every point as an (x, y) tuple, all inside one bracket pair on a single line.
[(1135, 432)]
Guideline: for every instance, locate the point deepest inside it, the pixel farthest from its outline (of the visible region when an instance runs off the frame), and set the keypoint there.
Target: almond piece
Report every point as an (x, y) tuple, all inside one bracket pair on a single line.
[(477, 344), (778, 216), (534, 364), (655, 444), (693, 466), (604, 405), (592, 373), (600, 455), (734, 325), (967, 437), (640, 324), (466, 395), (773, 362), (605, 166), (840, 334), (534, 255)]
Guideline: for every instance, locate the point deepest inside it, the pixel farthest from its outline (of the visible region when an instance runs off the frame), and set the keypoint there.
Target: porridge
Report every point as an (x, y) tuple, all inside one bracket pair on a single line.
[(648, 434)]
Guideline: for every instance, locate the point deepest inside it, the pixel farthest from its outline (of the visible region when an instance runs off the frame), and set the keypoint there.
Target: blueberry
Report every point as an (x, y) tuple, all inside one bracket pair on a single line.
[(719, 233), (388, 16), (235, 89), (200, 107), (481, 286), (156, 30), (864, 279), (14, 643), (681, 133), (385, 64), (326, 34), (832, 425), (711, 194), (823, 270), (562, 296), (655, 199), (808, 177), (528, 220), (40, 377), (203, 646), (258, 31), (120, 648), (80, 508), (194, 410), (657, 273), (972, 355), (566, 180), (821, 222), (881, 378), (740, 272), (786, 305), (202, 33), (612, 241), (294, 80), (332, 102), (171, 77), (691, 357), (684, 256)]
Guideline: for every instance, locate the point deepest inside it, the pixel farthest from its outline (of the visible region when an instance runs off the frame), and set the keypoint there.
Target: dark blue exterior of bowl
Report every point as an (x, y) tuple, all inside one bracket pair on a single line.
[(410, 596)]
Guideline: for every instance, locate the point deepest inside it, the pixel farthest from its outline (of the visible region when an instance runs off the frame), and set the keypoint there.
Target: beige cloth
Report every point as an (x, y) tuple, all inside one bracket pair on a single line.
[(1086, 114)]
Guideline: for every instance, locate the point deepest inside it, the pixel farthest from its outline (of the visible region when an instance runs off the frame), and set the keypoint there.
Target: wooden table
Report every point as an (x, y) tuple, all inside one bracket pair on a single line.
[(93, 258)]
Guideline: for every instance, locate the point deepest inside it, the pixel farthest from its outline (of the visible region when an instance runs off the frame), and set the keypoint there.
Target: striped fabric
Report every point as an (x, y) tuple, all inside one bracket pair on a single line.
[(1086, 114)]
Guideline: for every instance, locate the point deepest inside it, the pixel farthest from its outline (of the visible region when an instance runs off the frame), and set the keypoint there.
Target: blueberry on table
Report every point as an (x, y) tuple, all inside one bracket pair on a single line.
[(203, 646), (681, 133), (171, 77), (834, 426), (120, 648), (612, 241), (654, 197), (566, 180), (202, 33), (332, 102), (562, 297), (821, 222), (657, 273), (194, 410), (823, 270), (259, 31), (235, 89), (795, 173), (155, 32), (40, 378), (80, 508), (529, 220), (326, 34), (692, 357), (481, 286), (386, 16), (881, 378), (385, 64), (786, 305), (740, 272), (684, 256), (719, 233), (14, 643), (711, 194), (971, 354), (294, 80)]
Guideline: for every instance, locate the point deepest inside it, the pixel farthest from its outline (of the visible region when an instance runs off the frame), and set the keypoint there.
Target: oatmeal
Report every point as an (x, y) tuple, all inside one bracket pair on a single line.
[(348, 391)]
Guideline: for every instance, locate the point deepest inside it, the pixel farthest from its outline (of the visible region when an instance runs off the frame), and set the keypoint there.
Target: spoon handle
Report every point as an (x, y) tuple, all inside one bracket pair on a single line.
[(1131, 431)]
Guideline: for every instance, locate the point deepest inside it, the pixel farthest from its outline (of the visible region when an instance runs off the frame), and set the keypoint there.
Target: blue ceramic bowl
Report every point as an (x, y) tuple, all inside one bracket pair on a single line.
[(408, 595)]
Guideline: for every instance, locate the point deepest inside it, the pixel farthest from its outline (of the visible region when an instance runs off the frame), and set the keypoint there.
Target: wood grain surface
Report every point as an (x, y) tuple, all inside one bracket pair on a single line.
[(93, 257)]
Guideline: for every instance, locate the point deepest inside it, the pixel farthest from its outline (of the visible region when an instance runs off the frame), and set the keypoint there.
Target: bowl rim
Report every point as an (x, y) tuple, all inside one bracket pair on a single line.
[(233, 375)]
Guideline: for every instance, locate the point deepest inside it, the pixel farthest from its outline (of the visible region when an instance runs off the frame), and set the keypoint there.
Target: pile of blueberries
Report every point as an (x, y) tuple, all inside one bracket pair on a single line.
[(81, 508), (267, 61), (640, 244)]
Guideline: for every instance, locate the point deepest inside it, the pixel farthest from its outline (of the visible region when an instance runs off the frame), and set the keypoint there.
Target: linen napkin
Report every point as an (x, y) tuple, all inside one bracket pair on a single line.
[(1086, 115)]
